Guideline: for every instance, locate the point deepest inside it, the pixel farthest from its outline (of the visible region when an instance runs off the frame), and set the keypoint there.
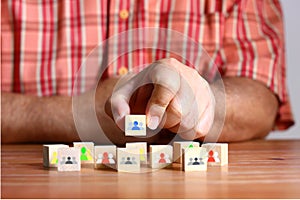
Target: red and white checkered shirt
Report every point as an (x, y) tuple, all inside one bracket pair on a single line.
[(44, 42)]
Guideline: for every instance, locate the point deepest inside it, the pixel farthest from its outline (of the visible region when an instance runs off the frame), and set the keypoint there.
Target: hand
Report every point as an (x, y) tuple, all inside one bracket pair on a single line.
[(172, 95)]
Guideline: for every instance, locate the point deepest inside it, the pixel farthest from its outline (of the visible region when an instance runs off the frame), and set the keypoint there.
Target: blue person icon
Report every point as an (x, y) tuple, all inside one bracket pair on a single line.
[(135, 126)]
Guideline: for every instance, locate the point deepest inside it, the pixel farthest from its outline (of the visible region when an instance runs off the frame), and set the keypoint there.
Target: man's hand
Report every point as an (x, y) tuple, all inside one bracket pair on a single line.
[(172, 95)]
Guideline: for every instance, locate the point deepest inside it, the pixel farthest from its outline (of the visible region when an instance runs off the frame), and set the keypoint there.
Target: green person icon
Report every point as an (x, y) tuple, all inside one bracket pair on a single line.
[(83, 154)]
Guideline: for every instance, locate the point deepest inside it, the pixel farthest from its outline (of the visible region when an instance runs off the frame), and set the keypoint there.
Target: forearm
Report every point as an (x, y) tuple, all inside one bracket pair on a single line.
[(34, 119), (251, 110), (28, 118)]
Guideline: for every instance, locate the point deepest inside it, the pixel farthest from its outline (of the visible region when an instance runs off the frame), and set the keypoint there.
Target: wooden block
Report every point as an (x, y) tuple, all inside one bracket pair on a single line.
[(128, 160), (194, 159), (142, 148), (86, 151), (50, 154), (68, 159), (105, 156), (217, 154), (161, 156), (135, 125), (178, 146)]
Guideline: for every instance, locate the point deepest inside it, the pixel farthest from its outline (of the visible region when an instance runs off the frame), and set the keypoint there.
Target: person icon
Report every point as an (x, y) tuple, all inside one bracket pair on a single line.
[(68, 160), (167, 158), (128, 161), (190, 161), (85, 154), (99, 159), (142, 154), (135, 126), (196, 161), (162, 158), (111, 158), (105, 159), (74, 160), (54, 159), (201, 161), (63, 160), (123, 160), (133, 160), (216, 157), (211, 156)]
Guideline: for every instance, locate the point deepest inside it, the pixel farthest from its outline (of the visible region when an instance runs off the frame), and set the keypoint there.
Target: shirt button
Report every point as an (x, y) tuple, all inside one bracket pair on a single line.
[(123, 70), (124, 14)]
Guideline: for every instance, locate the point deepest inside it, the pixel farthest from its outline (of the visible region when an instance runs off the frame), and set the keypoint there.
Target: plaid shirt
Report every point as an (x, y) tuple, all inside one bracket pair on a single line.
[(44, 42)]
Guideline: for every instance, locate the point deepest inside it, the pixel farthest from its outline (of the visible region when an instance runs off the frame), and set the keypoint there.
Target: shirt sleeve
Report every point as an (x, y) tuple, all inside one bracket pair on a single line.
[(254, 47)]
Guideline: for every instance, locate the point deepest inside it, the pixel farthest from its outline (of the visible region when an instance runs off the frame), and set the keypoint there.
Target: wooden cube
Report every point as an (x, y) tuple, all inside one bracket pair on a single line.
[(135, 125), (194, 159), (142, 148), (217, 154), (50, 154), (86, 151), (161, 156), (105, 156), (128, 160), (68, 159), (178, 146)]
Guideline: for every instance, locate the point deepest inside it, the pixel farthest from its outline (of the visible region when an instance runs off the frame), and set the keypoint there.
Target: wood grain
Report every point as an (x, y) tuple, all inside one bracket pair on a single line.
[(257, 169)]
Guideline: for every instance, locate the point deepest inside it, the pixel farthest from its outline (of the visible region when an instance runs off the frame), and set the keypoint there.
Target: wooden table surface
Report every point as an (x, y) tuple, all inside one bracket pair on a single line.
[(257, 169)]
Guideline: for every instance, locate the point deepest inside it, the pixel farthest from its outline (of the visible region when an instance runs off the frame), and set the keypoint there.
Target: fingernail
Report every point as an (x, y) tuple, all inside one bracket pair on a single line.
[(153, 122), (119, 117)]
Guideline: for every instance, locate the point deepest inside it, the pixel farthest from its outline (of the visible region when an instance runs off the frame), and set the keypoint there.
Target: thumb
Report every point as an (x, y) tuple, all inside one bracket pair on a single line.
[(166, 84)]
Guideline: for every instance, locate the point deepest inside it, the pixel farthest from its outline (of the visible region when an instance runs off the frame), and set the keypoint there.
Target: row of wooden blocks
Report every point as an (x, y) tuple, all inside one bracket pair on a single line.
[(134, 156)]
